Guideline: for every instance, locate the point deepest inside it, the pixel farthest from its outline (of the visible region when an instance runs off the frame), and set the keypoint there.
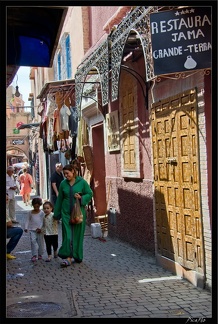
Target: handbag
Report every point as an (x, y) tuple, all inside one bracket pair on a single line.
[(76, 215)]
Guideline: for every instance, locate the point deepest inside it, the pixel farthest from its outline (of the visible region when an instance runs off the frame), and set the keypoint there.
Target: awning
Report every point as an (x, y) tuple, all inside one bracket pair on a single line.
[(31, 125), (55, 86), (19, 165), (32, 36), (19, 156)]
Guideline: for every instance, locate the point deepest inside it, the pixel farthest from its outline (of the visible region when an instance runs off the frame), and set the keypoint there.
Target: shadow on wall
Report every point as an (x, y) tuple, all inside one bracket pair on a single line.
[(134, 224)]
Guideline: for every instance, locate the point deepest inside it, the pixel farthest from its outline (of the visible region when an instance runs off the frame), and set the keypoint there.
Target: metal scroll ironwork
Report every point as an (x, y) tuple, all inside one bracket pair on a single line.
[(182, 75), (137, 20), (98, 60)]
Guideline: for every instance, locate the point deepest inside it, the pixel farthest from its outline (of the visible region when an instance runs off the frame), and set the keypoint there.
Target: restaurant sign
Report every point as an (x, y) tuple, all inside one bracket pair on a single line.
[(181, 40)]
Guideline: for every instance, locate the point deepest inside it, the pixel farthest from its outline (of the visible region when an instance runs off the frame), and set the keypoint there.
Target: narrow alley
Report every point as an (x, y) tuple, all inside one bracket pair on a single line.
[(114, 280)]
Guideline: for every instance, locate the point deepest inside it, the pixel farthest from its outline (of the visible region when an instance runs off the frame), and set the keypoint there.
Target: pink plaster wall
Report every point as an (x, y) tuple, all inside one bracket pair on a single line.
[(133, 198), (98, 17)]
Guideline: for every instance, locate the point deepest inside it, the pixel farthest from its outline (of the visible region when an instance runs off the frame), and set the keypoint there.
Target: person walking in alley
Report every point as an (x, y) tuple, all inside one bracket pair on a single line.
[(24, 166), (26, 181), (72, 187), (13, 233), (50, 229), (34, 224), (11, 187), (56, 179), (15, 175)]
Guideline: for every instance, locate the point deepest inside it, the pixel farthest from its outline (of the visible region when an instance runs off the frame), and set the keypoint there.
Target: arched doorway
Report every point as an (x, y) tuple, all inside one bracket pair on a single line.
[(15, 155)]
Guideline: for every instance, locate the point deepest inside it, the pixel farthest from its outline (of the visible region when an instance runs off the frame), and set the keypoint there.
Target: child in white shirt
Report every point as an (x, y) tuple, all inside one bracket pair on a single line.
[(50, 228), (34, 224)]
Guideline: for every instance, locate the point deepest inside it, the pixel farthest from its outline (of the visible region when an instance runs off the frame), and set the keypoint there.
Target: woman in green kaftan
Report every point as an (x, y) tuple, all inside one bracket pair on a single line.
[(72, 187)]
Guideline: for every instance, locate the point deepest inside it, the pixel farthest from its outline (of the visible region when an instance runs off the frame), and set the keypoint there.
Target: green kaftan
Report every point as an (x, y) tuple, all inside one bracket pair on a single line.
[(72, 235)]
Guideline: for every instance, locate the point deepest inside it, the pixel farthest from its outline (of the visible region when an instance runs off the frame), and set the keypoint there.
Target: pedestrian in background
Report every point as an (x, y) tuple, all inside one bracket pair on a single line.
[(11, 188), (13, 233), (16, 177), (56, 179), (24, 166), (72, 187), (50, 229), (17, 191), (34, 225), (26, 182)]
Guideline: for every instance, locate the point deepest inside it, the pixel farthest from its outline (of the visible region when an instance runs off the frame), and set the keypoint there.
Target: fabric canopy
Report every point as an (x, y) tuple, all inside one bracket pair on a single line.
[(32, 35)]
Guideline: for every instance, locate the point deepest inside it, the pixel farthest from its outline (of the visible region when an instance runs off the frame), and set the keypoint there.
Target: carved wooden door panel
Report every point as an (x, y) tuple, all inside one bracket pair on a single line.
[(176, 180), (129, 127)]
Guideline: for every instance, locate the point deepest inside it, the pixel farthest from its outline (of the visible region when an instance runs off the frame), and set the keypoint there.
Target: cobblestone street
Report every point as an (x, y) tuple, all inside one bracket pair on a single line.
[(114, 280)]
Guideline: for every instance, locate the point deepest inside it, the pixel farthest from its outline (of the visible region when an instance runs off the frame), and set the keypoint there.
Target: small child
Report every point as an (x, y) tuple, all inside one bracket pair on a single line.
[(34, 224), (50, 227)]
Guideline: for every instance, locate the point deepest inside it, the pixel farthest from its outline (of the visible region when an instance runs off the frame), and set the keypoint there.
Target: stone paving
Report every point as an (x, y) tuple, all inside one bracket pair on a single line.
[(113, 281)]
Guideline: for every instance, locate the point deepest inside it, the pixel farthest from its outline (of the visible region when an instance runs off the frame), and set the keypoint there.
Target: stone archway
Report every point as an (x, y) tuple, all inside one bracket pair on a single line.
[(15, 154)]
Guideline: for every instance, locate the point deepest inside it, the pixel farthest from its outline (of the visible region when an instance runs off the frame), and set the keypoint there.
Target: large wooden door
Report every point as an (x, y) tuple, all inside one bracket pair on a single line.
[(176, 180)]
